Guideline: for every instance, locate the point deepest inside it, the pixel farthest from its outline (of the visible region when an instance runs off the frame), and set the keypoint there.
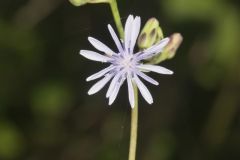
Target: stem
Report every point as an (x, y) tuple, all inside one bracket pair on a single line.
[(134, 115), (116, 16), (134, 127)]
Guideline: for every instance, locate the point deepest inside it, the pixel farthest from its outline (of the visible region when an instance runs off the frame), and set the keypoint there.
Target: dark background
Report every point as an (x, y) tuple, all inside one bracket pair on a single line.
[(46, 114)]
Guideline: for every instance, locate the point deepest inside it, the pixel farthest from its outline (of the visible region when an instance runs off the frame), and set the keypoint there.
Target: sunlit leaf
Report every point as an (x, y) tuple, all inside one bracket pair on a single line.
[(82, 2)]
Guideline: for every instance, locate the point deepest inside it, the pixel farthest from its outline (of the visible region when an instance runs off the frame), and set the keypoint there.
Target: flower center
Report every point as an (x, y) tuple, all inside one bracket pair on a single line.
[(126, 61)]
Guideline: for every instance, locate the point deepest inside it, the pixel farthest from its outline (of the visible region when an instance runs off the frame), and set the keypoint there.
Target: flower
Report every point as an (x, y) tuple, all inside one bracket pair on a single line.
[(125, 64)]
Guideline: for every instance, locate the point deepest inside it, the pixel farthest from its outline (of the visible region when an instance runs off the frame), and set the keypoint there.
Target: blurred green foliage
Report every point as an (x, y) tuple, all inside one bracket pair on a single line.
[(222, 49), (11, 140), (46, 112), (51, 99)]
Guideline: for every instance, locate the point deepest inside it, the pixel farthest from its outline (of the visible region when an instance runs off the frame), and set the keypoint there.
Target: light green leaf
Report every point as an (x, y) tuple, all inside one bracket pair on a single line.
[(82, 2)]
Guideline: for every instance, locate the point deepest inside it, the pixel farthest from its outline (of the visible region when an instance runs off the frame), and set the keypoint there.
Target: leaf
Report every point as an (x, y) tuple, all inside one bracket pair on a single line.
[(83, 2)]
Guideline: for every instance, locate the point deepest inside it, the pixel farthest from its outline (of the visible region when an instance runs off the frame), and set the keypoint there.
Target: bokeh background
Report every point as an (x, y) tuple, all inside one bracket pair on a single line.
[(45, 112)]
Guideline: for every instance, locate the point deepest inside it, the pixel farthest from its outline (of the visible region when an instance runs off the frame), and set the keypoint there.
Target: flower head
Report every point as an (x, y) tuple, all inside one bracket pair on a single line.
[(125, 65)]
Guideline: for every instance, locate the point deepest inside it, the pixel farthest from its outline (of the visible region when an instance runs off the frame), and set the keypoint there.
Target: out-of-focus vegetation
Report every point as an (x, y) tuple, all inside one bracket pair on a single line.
[(45, 112)]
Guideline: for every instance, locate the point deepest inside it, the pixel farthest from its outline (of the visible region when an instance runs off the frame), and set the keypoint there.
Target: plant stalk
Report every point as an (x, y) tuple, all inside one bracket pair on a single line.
[(134, 114), (116, 16), (134, 128)]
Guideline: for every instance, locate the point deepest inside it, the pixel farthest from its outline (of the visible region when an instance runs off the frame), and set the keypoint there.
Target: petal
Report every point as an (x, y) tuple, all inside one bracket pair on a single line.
[(127, 31), (115, 91), (100, 73), (100, 46), (130, 91), (113, 84), (159, 46), (147, 78), (100, 84), (115, 38), (143, 90), (154, 68), (94, 56), (135, 32), (155, 49)]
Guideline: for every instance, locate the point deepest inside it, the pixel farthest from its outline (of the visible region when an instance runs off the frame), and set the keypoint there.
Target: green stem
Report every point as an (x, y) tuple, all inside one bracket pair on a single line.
[(134, 128), (134, 115), (116, 16)]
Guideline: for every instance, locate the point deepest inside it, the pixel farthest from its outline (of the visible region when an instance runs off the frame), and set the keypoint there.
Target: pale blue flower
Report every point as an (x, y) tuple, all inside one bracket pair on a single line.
[(125, 64)]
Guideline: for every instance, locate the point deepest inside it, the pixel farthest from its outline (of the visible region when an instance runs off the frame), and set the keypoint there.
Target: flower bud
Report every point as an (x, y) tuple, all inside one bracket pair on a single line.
[(170, 49), (150, 34), (173, 45)]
